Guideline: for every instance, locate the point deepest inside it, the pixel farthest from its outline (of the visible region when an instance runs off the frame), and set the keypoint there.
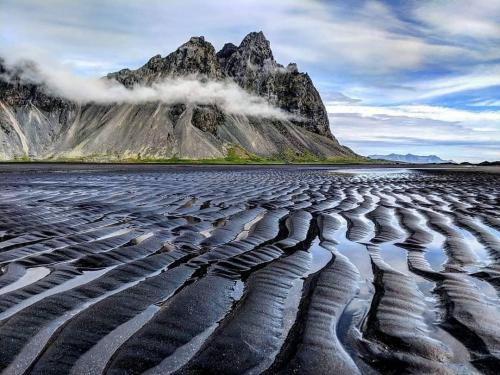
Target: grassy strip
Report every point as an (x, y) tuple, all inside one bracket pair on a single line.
[(234, 156), (217, 161)]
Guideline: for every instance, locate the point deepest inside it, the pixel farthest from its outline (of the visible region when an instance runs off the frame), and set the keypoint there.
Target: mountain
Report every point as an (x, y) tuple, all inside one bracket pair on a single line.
[(36, 124), (489, 163), (410, 158)]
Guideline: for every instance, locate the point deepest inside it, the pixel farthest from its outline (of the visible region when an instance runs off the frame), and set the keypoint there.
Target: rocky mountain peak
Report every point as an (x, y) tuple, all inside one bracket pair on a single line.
[(226, 52), (292, 68), (196, 41), (248, 62), (253, 67), (35, 123), (195, 57), (155, 60), (2, 68), (256, 48)]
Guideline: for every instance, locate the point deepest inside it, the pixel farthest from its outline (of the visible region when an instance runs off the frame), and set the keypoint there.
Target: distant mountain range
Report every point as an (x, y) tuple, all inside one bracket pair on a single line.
[(36, 123), (410, 158)]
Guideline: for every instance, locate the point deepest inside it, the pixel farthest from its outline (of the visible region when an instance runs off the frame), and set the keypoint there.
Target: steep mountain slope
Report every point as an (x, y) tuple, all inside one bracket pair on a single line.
[(34, 124), (30, 121), (253, 67)]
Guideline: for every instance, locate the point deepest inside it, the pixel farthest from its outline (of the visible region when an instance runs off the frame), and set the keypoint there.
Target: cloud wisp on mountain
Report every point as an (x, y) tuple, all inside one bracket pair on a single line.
[(61, 82)]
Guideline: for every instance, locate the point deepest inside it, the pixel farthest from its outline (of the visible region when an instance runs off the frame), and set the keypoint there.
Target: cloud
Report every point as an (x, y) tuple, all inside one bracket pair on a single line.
[(485, 103), (383, 53), (455, 134), (415, 111), (361, 46), (459, 152), (61, 82), (425, 89), (368, 37), (479, 79), (472, 21)]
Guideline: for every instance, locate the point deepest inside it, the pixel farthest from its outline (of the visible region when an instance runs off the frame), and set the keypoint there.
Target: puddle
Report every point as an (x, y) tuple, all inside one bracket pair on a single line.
[(85, 278), (248, 226), (487, 228), (116, 233), (320, 257), (376, 172), (356, 310), (479, 250), (238, 290), (432, 314), (395, 257), (31, 276), (358, 255), (434, 252), (487, 291)]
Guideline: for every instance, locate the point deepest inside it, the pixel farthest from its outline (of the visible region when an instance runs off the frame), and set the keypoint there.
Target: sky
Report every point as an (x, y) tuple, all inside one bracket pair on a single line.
[(418, 77)]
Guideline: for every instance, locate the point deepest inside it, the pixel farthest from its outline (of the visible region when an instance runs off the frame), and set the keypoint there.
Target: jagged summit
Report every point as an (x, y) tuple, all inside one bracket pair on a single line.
[(195, 57), (251, 65), (257, 48), (226, 52), (253, 54), (35, 124)]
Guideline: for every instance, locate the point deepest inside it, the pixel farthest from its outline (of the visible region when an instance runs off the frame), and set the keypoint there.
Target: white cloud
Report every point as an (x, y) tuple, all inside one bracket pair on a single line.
[(415, 90), (366, 49), (369, 38), (228, 95), (479, 79), (385, 55), (451, 133), (485, 103), (416, 111), (477, 20)]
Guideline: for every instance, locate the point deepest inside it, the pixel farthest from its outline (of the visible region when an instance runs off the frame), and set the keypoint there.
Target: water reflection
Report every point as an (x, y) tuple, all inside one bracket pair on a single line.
[(377, 172)]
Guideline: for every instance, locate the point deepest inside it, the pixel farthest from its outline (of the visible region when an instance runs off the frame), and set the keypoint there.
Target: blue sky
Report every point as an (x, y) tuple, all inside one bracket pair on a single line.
[(396, 76)]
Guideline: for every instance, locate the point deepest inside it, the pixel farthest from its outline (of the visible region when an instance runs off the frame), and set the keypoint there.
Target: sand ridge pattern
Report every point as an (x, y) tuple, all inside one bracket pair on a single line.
[(209, 270)]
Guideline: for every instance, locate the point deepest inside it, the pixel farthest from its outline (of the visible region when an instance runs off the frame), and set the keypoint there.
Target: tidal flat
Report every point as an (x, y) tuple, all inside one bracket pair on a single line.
[(131, 269)]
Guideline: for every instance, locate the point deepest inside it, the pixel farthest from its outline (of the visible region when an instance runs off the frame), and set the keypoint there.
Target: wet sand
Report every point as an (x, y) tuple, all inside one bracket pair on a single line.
[(282, 269)]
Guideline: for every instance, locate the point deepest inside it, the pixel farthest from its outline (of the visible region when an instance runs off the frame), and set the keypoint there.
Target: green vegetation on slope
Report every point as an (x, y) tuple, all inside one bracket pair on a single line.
[(234, 155)]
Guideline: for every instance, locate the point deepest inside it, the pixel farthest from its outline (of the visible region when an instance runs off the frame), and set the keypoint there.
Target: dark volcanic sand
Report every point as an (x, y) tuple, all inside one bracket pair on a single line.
[(196, 270)]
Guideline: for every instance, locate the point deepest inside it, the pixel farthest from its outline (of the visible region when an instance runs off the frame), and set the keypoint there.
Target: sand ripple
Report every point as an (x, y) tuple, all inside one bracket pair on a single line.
[(248, 270)]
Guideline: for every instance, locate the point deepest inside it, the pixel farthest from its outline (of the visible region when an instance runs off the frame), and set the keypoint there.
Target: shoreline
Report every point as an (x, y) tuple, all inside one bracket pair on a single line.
[(27, 166)]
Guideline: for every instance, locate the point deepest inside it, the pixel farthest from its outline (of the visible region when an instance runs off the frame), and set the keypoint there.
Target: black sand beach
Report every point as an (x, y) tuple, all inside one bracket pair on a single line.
[(216, 269)]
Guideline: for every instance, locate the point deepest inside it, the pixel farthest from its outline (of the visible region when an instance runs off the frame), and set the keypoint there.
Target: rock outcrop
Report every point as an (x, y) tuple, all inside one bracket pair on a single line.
[(197, 57), (253, 67), (30, 120), (37, 125)]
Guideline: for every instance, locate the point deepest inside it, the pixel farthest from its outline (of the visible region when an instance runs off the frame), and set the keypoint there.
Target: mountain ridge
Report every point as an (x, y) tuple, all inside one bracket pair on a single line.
[(37, 125), (411, 158)]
